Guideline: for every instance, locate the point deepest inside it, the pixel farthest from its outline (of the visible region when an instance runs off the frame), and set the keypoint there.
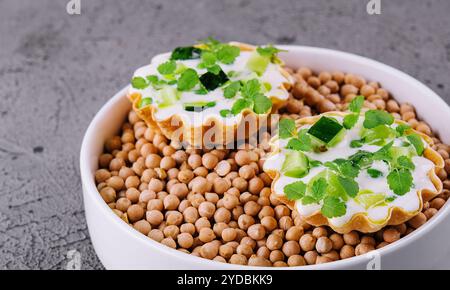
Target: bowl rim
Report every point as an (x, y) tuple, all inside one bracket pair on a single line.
[(89, 187)]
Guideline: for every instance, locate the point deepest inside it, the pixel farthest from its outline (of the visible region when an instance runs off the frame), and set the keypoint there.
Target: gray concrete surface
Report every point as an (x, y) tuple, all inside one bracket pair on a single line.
[(57, 70)]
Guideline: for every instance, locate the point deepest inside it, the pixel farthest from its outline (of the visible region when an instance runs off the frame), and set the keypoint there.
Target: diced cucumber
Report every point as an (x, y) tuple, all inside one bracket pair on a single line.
[(257, 63), (325, 129), (198, 106), (295, 164), (169, 96), (369, 199), (338, 138)]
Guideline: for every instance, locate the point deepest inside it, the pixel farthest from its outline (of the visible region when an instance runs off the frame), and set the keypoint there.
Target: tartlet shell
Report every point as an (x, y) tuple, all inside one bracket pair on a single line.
[(360, 221), (174, 128)]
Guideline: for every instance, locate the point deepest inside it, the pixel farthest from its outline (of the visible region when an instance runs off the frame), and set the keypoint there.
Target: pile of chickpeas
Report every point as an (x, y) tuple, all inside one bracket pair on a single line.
[(217, 204)]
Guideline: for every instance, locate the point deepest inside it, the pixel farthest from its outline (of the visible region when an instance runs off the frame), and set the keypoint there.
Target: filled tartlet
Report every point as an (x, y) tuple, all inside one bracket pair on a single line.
[(210, 87), (353, 171)]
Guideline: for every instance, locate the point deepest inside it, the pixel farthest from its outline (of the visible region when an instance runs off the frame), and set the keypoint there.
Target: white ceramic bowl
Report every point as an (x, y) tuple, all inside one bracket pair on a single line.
[(119, 246)]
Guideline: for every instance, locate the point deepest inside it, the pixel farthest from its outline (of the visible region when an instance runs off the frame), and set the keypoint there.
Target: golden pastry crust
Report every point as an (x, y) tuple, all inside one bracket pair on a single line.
[(360, 221), (174, 128)]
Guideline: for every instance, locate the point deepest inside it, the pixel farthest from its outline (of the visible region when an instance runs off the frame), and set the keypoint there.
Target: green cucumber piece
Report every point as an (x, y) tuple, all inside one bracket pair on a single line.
[(169, 96), (257, 63), (295, 164), (325, 129), (198, 106)]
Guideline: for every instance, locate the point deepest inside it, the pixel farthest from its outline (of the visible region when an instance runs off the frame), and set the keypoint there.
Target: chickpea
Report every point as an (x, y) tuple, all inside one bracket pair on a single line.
[(324, 245), (391, 235), (156, 235), (363, 248), (310, 257), (351, 238), (185, 240), (337, 241), (171, 202), (307, 242), (210, 160), (154, 217), (108, 194), (238, 259), (245, 221), (202, 222), (256, 232), (142, 226), (200, 184), (255, 185), (135, 212), (417, 221), (116, 182), (206, 235), (274, 242), (194, 161), (291, 248), (123, 204)]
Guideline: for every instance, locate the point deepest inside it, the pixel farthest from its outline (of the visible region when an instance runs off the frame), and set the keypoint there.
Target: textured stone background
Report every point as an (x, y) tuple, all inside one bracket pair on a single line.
[(57, 70)]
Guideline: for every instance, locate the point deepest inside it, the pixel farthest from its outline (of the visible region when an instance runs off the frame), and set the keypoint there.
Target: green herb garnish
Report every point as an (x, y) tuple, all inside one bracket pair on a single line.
[(374, 173), (286, 128), (262, 104), (349, 186), (333, 207), (198, 106), (188, 80), (417, 143), (145, 102), (167, 67), (295, 190), (401, 128), (240, 105), (231, 90), (227, 53), (225, 113), (400, 181), (139, 83), (374, 118), (405, 162)]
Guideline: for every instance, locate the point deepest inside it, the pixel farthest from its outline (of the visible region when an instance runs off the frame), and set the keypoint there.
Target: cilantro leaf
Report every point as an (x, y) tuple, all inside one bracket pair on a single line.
[(333, 207), (383, 153), (201, 91), (362, 158), (356, 143), (400, 181), (228, 53), (417, 143), (350, 120), (350, 186), (314, 163), (139, 83), (356, 104), (374, 173), (167, 67), (208, 59), (268, 51), (251, 88), (225, 113), (318, 188), (307, 199), (231, 90), (405, 162), (347, 168), (401, 129), (145, 102), (302, 143), (295, 190), (374, 118), (286, 128), (262, 104), (240, 105), (188, 80), (215, 69)]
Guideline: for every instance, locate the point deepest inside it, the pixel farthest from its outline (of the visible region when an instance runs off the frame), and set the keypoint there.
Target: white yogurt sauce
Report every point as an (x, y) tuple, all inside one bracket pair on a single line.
[(272, 75), (409, 201)]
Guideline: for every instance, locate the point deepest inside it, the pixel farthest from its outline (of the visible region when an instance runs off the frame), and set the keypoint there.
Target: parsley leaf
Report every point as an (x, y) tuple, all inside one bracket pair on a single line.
[(167, 68), (268, 51), (401, 129), (417, 143), (286, 128), (350, 120), (145, 102), (231, 90), (262, 104), (314, 163), (139, 83), (318, 188), (374, 173), (400, 181), (383, 153), (251, 88), (240, 105), (350, 186), (228, 53), (356, 104), (333, 207), (188, 80), (295, 190), (302, 143), (356, 143), (405, 162), (208, 59), (374, 118), (225, 113), (308, 200)]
